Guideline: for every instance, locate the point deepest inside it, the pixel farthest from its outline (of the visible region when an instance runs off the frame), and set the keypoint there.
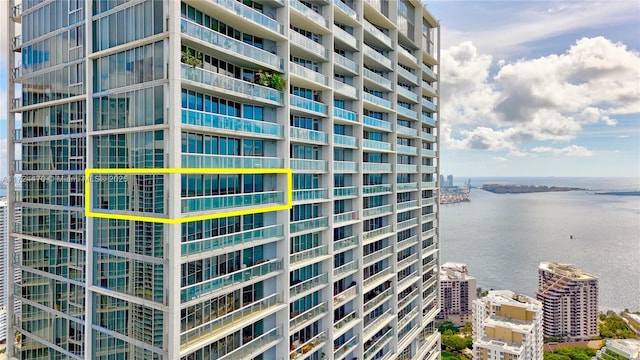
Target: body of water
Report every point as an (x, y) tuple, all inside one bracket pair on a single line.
[(503, 237)]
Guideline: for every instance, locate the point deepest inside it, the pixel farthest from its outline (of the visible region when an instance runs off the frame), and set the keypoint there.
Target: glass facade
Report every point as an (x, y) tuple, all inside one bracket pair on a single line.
[(350, 271)]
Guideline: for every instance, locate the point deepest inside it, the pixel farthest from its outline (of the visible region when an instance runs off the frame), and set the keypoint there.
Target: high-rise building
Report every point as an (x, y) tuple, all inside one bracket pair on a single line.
[(450, 180), (507, 325), (570, 300), (457, 292), (214, 256), (5, 258)]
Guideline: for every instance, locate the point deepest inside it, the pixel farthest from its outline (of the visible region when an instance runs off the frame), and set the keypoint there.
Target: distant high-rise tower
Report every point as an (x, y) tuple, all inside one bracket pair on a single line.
[(5, 258), (570, 300), (450, 180), (267, 183), (507, 325), (457, 292)]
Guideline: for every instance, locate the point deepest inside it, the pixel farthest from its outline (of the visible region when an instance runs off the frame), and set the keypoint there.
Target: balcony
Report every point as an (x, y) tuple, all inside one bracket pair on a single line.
[(309, 254), (213, 203), (312, 284), (407, 280), (310, 194), (379, 58), (370, 236), (232, 86), (345, 8), (348, 346), (429, 72), (347, 322), (428, 136), (410, 297), (345, 141), (377, 79), (317, 223), (378, 210), (349, 216), (377, 278), (407, 318), (307, 135), (342, 297), (407, 55), (343, 36), (315, 312), (429, 105), (377, 300), (410, 241), (230, 45), (376, 145), (344, 114), (428, 120), (308, 105), (376, 189), (345, 270), (225, 320), (377, 100), (408, 75), (309, 13), (345, 89), (16, 74), (17, 135), (191, 292), (16, 43), (274, 232), (430, 200), (308, 347), (407, 224), (369, 167), (407, 205), (309, 45), (428, 152), (345, 166), (405, 130), (379, 344), (429, 266), (228, 161), (407, 168), (345, 243), (232, 123), (375, 324), (401, 110), (348, 191), (306, 73), (308, 165), (376, 123), (428, 217), (16, 103), (427, 169), (377, 34), (377, 256), (16, 13), (406, 150), (430, 89), (407, 261), (407, 94), (345, 63), (412, 186), (257, 346)]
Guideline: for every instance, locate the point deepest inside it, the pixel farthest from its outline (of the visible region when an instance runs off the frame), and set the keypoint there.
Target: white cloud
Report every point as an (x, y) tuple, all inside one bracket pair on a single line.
[(500, 158), (571, 150), (3, 155)]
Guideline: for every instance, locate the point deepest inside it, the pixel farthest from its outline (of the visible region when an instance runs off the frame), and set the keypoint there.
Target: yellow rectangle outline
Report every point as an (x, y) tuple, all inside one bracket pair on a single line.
[(142, 171)]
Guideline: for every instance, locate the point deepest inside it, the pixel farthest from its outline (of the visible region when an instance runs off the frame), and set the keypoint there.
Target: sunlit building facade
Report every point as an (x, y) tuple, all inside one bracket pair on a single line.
[(342, 93)]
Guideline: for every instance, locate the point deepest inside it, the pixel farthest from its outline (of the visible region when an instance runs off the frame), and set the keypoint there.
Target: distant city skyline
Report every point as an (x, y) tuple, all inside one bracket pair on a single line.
[(539, 88)]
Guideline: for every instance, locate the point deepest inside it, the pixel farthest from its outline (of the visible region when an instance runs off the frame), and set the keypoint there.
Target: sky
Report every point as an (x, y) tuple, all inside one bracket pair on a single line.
[(539, 88), (528, 88)]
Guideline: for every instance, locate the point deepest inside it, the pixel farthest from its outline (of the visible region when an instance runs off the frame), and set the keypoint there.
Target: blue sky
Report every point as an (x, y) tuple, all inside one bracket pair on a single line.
[(528, 88), (539, 88)]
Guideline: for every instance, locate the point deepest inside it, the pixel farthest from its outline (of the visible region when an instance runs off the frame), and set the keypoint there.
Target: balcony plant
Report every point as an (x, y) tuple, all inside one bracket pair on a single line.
[(270, 79), (189, 58)]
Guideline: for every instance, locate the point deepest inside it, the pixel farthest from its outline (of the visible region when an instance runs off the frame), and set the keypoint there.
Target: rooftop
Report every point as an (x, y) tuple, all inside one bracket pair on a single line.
[(626, 347), (567, 270)]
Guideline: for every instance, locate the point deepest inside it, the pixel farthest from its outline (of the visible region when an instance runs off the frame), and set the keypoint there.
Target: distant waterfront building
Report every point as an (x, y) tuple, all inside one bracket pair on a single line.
[(457, 292), (442, 183), (617, 349), (507, 326), (570, 301)]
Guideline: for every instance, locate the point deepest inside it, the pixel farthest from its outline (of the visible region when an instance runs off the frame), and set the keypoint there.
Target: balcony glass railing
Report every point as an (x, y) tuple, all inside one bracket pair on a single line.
[(377, 78), (307, 73), (427, 70), (376, 189), (428, 217), (308, 104), (308, 44), (429, 105), (344, 270), (314, 223), (408, 75), (17, 72), (428, 120), (345, 243), (347, 346), (407, 224), (16, 42), (343, 217), (231, 45), (407, 261), (368, 235), (345, 166), (378, 299), (234, 317), (250, 350), (308, 135), (16, 103), (370, 28), (376, 100), (309, 346), (404, 52), (381, 59), (407, 168), (235, 278), (431, 89), (427, 169), (309, 13), (369, 167), (407, 204), (308, 165), (376, 145), (407, 150), (312, 313), (345, 141), (346, 63), (227, 161), (343, 296), (240, 87), (250, 14), (407, 186), (347, 191), (344, 114), (231, 123), (219, 242), (16, 11), (345, 37), (410, 241), (310, 194), (406, 93), (376, 123), (428, 152), (345, 89), (407, 112), (376, 256), (428, 185), (408, 298), (374, 211), (309, 254), (209, 203), (375, 279), (428, 136), (346, 320), (309, 284)]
